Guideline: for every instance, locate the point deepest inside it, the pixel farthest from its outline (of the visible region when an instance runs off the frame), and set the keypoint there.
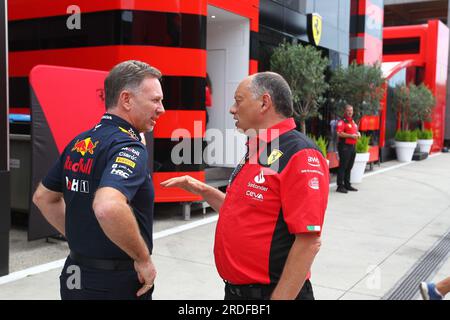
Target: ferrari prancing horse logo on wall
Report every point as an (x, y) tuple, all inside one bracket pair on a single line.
[(314, 28)]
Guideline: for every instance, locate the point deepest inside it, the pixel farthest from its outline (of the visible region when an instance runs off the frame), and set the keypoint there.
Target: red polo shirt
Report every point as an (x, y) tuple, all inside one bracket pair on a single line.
[(347, 125), (281, 190)]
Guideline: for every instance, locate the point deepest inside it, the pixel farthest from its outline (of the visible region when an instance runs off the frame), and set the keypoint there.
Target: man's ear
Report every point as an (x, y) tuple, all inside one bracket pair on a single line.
[(266, 103), (124, 99)]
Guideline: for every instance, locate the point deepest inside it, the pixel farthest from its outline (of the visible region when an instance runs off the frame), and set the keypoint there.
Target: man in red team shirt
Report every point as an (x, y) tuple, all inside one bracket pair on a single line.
[(271, 217), (348, 134)]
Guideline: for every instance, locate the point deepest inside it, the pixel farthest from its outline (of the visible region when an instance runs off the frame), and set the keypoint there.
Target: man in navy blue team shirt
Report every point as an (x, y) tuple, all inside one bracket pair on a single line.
[(99, 194)]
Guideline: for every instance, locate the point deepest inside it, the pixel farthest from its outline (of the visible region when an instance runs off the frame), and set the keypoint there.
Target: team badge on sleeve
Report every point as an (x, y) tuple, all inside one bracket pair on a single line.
[(274, 156)]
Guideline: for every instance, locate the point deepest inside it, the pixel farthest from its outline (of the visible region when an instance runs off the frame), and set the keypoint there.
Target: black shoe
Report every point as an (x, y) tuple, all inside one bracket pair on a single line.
[(341, 190), (350, 188)]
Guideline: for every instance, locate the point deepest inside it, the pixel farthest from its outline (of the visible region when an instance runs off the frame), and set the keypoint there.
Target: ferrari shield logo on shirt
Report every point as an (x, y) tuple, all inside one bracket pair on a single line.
[(85, 146), (274, 156)]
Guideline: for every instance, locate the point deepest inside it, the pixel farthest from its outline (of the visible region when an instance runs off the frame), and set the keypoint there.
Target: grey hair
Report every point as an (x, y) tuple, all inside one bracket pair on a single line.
[(127, 75), (278, 89)]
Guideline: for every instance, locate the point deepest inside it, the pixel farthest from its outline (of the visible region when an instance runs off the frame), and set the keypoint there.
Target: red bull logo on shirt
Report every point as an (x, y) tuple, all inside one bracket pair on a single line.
[(81, 166), (85, 146)]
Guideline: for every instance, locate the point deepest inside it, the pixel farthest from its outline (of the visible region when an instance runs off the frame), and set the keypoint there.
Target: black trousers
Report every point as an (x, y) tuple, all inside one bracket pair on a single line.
[(262, 292), (347, 155), (81, 283)]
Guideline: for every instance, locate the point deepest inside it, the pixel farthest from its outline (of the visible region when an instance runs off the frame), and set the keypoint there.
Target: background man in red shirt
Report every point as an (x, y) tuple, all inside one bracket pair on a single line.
[(348, 134)]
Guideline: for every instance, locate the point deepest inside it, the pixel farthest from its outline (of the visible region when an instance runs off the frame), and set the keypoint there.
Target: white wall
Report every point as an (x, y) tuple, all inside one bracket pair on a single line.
[(228, 45)]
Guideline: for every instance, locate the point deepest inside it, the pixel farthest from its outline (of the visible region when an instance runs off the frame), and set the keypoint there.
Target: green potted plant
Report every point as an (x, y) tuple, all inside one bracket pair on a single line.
[(422, 103), (361, 159), (425, 140), (405, 143), (405, 140), (322, 144), (303, 67)]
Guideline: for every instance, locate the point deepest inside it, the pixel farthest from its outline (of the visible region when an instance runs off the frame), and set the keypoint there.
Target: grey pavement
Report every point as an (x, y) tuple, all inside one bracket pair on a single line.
[(371, 239)]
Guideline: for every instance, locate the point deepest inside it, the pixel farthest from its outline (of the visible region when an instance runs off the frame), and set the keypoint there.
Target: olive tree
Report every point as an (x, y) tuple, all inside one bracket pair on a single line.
[(359, 85), (303, 67), (422, 103), (413, 103)]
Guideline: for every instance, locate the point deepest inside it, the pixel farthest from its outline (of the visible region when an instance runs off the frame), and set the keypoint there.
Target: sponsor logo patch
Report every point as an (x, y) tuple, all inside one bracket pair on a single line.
[(127, 155), (258, 187), (254, 195), (313, 161), (84, 146), (274, 156), (77, 185), (130, 132), (133, 151), (314, 183), (81, 166), (128, 162), (260, 178), (120, 173), (306, 171)]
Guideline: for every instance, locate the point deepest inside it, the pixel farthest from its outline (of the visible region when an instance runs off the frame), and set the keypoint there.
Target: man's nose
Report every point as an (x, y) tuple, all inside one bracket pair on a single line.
[(161, 110)]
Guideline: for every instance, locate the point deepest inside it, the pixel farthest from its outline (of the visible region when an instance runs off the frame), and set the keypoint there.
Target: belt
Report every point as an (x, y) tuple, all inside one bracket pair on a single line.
[(102, 264), (254, 291)]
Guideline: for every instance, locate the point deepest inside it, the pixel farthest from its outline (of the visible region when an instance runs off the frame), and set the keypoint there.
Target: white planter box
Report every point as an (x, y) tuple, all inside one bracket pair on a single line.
[(425, 145), (357, 173), (405, 150)]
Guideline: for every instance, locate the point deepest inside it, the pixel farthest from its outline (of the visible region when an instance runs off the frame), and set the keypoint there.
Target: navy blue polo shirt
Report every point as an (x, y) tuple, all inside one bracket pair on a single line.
[(109, 155)]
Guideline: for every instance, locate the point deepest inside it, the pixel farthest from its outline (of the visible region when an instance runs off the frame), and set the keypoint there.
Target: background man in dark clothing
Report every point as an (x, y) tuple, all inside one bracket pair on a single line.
[(348, 134), (100, 196)]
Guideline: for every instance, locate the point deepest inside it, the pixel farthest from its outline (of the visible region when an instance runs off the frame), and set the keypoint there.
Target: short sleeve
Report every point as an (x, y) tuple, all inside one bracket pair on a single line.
[(126, 168), (52, 180), (340, 126), (304, 187), (208, 100)]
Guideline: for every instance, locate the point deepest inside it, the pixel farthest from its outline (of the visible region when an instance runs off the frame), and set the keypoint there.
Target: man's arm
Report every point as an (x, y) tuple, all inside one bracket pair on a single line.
[(213, 196), (120, 226), (298, 264), (52, 206), (347, 135)]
